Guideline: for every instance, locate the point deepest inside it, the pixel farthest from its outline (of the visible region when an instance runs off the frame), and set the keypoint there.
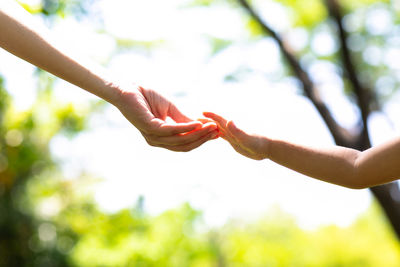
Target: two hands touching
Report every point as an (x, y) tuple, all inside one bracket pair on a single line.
[(149, 111), (337, 165), (250, 145)]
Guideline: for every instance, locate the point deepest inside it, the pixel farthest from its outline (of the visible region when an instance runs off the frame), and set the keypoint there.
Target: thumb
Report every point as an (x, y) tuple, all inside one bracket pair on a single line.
[(240, 134), (177, 115)]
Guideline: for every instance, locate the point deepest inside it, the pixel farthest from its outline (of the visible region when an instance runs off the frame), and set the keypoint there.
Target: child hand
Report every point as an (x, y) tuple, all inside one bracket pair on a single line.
[(249, 145)]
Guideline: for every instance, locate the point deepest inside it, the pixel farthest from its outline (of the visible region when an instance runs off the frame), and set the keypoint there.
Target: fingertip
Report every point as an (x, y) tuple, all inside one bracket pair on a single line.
[(204, 120), (211, 115), (221, 121), (208, 114)]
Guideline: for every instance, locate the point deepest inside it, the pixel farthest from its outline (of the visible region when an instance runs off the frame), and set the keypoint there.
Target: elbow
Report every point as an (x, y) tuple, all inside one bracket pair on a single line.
[(356, 180), (351, 182), (357, 186), (364, 182)]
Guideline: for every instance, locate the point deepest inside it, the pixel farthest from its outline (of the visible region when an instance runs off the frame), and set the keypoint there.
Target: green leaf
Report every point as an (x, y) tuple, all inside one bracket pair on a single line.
[(217, 44), (254, 27), (354, 4), (306, 13)]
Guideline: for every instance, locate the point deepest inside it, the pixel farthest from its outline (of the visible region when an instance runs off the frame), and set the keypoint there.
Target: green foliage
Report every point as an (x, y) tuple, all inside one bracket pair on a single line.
[(313, 17), (129, 44), (24, 158), (354, 4), (306, 13), (278, 241), (202, 2), (313, 12), (205, 3), (46, 220), (218, 44), (254, 27), (162, 241), (132, 238), (58, 8)]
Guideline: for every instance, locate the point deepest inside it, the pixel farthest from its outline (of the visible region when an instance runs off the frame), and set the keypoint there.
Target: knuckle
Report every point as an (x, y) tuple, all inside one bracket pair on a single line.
[(185, 149), (150, 142)]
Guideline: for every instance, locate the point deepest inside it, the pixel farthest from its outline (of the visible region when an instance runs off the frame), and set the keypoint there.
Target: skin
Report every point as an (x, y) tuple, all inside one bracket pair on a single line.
[(146, 109), (337, 165)]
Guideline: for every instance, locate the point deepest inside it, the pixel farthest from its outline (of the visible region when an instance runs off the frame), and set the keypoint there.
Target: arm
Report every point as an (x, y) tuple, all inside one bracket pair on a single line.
[(337, 165), (145, 109), (23, 37)]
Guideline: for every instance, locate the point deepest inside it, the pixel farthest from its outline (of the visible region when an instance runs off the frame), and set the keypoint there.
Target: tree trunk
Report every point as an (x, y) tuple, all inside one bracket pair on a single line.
[(388, 195)]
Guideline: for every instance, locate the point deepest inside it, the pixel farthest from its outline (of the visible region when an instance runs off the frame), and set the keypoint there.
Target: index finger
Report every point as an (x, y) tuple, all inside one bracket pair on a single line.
[(220, 120)]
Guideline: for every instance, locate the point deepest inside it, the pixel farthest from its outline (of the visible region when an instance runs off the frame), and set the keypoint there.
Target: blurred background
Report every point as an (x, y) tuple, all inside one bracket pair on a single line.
[(79, 186)]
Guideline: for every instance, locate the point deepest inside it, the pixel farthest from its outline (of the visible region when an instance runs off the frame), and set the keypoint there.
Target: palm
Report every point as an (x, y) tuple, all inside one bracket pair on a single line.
[(148, 111)]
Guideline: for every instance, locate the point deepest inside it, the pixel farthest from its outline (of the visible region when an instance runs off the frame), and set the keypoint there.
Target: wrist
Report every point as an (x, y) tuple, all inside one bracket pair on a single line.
[(116, 92), (112, 93), (266, 147)]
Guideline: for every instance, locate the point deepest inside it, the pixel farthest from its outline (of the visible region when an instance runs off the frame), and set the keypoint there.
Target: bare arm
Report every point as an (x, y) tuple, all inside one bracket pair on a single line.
[(338, 165), (146, 109), (23, 37)]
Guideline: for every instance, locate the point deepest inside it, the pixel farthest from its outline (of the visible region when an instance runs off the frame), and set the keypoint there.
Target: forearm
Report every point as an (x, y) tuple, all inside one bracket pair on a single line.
[(19, 37), (335, 165), (339, 165)]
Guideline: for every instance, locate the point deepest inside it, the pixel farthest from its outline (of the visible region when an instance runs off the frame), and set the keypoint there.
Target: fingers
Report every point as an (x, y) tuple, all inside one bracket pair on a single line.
[(205, 120), (221, 124), (230, 131), (185, 138), (161, 128), (177, 115), (220, 120), (188, 147)]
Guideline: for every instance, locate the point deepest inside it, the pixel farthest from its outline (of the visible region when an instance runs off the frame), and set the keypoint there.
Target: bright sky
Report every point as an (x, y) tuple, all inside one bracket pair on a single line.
[(212, 178)]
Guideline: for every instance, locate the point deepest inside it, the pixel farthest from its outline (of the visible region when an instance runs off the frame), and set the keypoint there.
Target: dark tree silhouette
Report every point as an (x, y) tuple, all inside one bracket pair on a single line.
[(388, 195)]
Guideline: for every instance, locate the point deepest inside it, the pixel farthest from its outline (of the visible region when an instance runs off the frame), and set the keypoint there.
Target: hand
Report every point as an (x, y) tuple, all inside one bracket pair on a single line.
[(249, 145), (148, 111)]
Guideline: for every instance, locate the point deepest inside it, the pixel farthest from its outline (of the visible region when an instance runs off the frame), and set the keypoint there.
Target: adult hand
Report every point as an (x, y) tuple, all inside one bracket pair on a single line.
[(148, 111)]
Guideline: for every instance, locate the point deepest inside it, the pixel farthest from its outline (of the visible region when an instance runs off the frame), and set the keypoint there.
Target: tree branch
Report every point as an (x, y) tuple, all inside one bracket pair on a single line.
[(350, 69), (384, 193), (341, 135)]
